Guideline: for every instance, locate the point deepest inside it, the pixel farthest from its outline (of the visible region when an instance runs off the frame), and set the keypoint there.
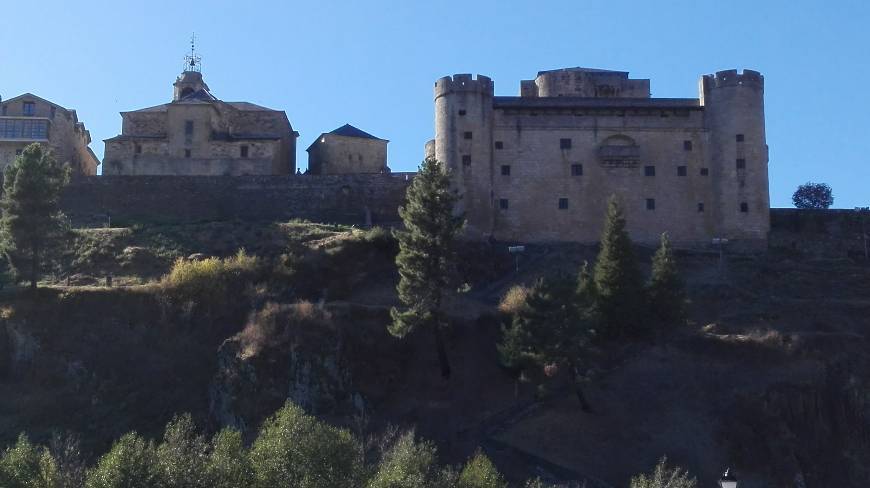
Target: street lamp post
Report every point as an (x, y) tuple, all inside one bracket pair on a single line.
[(720, 243), (728, 480), (516, 251)]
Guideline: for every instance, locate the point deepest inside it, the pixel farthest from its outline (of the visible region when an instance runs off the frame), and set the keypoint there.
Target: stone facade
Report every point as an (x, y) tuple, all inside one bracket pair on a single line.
[(541, 166), (197, 134), (27, 118), (347, 150)]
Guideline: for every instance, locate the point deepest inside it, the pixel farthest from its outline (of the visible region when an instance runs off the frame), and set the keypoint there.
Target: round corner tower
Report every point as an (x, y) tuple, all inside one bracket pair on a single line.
[(734, 118), (463, 142)]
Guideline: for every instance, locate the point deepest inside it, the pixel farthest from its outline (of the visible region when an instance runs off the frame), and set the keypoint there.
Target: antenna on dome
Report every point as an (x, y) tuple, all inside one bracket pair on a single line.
[(192, 62)]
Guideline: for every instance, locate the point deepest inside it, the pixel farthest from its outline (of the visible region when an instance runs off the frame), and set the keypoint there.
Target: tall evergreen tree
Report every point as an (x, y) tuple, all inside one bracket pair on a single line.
[(31, 222), (617, 279), (665, 289), (427, 255), (549, 329)]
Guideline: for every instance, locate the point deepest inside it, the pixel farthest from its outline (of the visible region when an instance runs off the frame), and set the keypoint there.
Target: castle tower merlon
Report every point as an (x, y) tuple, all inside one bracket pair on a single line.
[(464, 83)]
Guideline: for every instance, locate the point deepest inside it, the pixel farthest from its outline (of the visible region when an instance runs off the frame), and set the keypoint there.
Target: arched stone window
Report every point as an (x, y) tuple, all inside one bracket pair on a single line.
[(619, 151)]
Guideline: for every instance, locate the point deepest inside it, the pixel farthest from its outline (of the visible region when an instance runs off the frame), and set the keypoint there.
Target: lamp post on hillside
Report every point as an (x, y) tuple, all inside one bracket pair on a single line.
[(516, 251), (728, 480), (720, 242)]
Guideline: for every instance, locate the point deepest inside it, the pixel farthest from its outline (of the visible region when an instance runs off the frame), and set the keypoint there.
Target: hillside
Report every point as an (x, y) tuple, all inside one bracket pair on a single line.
[(770, 377)]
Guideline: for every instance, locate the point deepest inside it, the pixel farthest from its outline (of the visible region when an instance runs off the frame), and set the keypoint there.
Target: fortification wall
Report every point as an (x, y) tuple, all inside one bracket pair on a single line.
[(819, 233), (351, 199)]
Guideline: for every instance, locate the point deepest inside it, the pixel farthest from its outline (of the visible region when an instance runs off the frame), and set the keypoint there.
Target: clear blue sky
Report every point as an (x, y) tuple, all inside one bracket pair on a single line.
[(373, 64)]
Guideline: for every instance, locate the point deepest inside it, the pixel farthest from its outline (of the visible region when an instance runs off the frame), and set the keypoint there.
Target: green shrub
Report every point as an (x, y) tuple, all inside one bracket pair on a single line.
[(27, 466), (408, 464), (131, 463), (664, 477), (228, 465), (295, 449), (208, 283), (479, 472), (181, 457)]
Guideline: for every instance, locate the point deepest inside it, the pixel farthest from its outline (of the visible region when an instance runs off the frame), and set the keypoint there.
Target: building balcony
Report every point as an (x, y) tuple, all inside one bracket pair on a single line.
[(24, 129)]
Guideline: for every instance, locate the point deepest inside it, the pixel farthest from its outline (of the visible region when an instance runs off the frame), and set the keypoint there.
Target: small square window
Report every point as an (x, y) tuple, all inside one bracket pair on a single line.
[(467, 135), (466, 160), (705, 171), (739, 137), (576, 170), (563, 203), (28, 108), (505, 170), (499, 145), (243, 150), (462, 113), (649, 170), (741, 163), (503, 203), (138, 148), (188, 127), (744, 207), (650, 203), (187, 153), (687, 145), (564, 143), (701, 207), (681, 171)]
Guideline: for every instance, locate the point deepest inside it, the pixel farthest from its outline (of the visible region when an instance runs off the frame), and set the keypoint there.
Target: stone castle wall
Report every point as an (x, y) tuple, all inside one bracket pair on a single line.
[(351, 199)]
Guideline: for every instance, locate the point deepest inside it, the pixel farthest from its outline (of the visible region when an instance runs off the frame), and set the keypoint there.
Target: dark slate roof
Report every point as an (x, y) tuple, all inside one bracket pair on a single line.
[(582, 102), (348, 130)]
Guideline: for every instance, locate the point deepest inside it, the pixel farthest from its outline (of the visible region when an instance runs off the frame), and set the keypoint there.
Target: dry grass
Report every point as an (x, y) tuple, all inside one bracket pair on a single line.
[(514, 299), (275, 323)]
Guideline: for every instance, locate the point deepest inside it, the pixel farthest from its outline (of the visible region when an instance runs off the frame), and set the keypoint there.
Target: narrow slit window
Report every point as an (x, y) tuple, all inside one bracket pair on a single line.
[(503, 203), (505, 170), (687, 145), (650, 203), (138, 148), (741, 163), (705, 171), (187, 153), (744, 207), (700, 207), (243, 151), (649, 170), (466, 160), (563, 204), (188, 127)]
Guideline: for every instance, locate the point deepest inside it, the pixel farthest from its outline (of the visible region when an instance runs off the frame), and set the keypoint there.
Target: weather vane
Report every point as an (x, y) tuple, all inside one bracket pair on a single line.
[(192, 60)]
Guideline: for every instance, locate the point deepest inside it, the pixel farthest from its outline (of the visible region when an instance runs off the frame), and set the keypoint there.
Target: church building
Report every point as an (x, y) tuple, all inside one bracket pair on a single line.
[(198, 134)]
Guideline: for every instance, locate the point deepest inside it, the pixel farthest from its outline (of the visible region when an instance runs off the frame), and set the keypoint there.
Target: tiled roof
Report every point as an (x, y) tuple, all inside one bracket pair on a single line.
[(348, 130)]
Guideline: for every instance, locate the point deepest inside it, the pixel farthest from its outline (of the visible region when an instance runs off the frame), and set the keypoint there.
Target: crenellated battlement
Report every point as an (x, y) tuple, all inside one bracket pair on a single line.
[(464, 83), (732, 78)]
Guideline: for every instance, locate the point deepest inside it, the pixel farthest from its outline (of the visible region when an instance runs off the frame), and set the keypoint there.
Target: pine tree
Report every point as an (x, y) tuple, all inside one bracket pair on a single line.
[(665, 290), (549, 329), (618, 284), (31, 222), (427, 255)]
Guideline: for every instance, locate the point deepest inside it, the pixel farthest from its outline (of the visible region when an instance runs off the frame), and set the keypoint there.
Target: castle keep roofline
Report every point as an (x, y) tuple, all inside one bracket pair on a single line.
[(584, 102)]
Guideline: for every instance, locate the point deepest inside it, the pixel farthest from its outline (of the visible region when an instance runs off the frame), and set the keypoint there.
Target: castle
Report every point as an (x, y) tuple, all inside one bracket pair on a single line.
[(541, 166)]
